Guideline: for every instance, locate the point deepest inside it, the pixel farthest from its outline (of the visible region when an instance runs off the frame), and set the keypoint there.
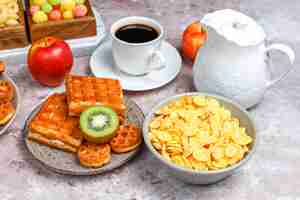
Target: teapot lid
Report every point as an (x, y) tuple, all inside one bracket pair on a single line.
[(235, 26)]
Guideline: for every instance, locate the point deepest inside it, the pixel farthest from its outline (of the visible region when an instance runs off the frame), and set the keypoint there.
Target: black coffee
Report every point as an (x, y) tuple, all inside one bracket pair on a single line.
[(136, 33)]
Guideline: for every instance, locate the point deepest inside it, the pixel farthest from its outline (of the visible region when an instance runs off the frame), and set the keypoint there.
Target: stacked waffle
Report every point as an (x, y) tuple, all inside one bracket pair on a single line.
[(52, 125), (83, 92), (7, 94), (57, 122)]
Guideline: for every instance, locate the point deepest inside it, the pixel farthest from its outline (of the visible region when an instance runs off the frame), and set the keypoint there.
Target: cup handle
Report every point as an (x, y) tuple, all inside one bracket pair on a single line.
[(156, 61), (287, 51)]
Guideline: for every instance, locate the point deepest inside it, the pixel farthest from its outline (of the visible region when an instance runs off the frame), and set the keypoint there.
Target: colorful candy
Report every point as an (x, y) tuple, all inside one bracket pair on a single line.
[(47, 8), (53, 10), (80, 2), (67, 5), (54, 2), (55, 15), (39, 17), (68, 14), (34, 9), (56, 7), (80, 11), (39, 2)]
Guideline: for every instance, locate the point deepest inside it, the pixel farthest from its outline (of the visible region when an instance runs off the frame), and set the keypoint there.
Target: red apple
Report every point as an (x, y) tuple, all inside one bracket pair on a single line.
[(49, 60), (193, 38)]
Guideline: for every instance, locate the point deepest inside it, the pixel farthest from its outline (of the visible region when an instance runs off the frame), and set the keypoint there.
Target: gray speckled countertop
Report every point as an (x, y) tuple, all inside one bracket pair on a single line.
[(273, 173)]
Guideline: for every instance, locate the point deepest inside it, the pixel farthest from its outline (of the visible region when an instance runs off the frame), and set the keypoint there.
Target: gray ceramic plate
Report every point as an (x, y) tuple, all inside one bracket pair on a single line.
[(67, 163), (16, 102)]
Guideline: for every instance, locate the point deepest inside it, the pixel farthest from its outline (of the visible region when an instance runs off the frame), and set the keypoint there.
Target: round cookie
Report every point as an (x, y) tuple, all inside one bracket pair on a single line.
[(94, 155), (128, 138), (6, 90), (7, 111)]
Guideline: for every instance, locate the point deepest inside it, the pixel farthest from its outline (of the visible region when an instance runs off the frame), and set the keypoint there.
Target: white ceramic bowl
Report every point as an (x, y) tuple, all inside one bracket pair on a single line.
[(203, 177)]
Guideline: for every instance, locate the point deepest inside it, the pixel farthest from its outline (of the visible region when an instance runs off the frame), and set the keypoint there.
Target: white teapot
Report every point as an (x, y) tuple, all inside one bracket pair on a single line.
[(233, 61)]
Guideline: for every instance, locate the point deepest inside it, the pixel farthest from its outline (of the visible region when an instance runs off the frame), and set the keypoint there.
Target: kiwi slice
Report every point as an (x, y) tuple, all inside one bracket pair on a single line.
[(99, 124)]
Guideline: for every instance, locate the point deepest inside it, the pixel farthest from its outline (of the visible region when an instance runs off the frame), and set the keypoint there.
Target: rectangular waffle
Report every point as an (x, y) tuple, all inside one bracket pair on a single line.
[(54, 127), (83, 92), (51, 142)]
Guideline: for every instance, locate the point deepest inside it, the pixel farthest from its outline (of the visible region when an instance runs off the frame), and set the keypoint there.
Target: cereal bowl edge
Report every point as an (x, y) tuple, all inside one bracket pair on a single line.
[(203, 177)]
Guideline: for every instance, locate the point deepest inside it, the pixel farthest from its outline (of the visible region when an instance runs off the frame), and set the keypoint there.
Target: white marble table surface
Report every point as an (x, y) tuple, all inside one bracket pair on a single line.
[(274, 171)]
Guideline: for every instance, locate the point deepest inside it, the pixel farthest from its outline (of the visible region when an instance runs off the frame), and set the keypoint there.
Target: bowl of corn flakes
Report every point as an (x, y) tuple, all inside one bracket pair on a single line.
[(200, 138)]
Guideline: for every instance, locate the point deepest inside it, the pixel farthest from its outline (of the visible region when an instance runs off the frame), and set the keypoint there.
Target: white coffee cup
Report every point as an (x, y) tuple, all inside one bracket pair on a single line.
[(137, 58)]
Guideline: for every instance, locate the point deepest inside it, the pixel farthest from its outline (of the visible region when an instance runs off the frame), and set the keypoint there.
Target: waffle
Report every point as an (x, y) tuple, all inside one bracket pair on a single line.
[(128, 138), (7, 111), (94, 155), (122, 120), (54, 127), (6, 90), (2, 66), (83, 92), (51, 142)]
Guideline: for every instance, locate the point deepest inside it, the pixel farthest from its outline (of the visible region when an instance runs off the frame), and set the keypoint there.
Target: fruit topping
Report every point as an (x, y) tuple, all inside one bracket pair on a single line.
[(99, 124)]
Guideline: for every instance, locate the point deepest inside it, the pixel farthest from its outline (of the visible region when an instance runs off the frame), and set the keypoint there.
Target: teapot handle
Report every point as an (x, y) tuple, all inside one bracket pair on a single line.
[(287, 51)]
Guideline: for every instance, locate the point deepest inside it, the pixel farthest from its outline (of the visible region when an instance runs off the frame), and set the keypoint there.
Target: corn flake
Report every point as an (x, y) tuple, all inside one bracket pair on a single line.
[(202, 154)]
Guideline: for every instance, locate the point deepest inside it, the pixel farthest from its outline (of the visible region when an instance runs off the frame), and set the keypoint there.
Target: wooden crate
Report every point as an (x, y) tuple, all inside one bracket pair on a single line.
[(64, 29), (14, 37)]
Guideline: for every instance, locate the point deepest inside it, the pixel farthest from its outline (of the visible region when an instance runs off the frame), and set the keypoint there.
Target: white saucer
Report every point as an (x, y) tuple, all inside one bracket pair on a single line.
[(102, 65)]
